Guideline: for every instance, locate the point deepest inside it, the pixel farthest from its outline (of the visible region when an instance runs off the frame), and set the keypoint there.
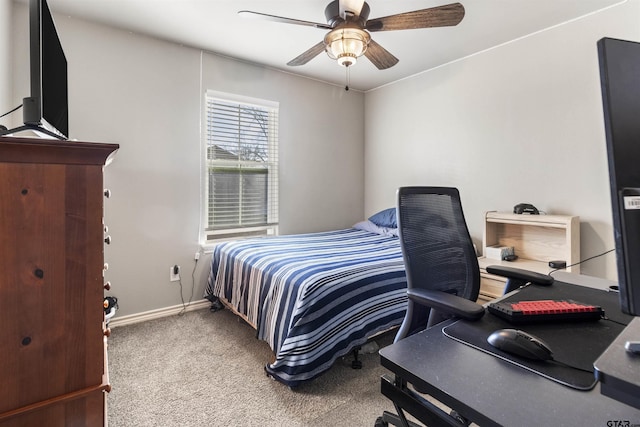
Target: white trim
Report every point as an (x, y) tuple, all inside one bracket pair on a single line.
[(156, 314)]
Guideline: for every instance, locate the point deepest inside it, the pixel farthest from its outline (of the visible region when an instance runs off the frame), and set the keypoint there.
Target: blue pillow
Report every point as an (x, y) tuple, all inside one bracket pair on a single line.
[(385, 218)]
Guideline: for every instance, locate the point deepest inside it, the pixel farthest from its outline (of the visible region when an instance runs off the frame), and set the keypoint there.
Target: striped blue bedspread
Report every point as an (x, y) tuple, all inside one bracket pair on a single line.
[(313, 297)]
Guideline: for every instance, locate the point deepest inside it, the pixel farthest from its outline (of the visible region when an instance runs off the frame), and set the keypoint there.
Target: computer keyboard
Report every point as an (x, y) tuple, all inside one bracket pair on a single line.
[(545, 311)]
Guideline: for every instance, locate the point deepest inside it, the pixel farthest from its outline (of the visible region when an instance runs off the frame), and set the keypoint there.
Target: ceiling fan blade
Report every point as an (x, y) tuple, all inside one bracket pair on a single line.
[(353, 6), (441, 16), (379, 56), (307, 56), (260, 15)]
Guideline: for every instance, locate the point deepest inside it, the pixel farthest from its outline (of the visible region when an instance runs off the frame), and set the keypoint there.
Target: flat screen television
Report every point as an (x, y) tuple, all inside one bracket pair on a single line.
[(620, 83), (46, 110)]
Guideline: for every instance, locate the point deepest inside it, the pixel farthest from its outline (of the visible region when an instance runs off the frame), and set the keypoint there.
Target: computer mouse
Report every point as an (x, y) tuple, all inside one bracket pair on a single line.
[(520, 343)]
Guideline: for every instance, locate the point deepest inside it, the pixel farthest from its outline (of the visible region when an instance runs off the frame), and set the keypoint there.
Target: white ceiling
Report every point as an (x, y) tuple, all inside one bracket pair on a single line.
[(214, 25)]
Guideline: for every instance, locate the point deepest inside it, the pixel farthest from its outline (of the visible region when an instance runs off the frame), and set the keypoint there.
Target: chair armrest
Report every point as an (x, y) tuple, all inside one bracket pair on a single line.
[(521, 275), (447, 303)]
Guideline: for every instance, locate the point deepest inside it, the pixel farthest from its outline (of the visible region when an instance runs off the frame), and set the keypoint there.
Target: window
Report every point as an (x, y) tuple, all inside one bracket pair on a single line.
[(241, 174)]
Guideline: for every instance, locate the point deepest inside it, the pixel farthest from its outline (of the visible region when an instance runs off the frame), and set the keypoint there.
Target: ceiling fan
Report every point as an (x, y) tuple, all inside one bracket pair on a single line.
[(349, 26)]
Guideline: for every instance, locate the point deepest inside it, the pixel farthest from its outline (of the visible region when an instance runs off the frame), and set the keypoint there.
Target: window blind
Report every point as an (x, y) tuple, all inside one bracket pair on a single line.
[(242, 165)]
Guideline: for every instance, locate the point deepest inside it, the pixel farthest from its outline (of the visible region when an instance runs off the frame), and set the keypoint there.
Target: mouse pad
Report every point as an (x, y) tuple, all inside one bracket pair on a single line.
[(576, 344)]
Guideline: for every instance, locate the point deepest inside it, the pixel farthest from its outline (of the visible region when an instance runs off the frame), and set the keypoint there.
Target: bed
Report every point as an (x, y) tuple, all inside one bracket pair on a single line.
[(312, 297)]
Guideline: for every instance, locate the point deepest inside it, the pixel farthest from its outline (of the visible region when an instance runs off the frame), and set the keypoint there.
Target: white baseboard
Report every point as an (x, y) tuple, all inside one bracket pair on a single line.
[(156, 314)]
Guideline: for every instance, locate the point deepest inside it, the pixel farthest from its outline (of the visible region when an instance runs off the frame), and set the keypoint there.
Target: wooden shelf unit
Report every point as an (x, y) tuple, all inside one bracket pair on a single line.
[(53, 341), (536, 239)]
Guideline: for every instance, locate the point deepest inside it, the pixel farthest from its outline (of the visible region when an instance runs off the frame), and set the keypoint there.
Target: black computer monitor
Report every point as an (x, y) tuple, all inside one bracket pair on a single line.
[(620, 83), (46, 110)]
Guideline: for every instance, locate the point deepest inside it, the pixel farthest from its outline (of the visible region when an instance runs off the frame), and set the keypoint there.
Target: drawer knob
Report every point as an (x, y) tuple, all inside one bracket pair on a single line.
[(107, 332), (107, 286), (107, 193), (107, 240)]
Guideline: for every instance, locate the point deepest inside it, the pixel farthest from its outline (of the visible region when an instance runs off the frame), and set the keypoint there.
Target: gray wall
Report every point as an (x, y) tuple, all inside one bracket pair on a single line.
[(522, 122), (5, 58), (146, 95)]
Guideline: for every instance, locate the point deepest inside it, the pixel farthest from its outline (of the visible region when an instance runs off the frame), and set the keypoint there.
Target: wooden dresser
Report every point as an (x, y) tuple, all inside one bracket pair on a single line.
[(53, 349)]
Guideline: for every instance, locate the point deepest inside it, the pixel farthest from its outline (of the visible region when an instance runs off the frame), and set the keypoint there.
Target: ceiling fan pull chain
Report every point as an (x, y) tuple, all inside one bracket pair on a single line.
[(348, 77)]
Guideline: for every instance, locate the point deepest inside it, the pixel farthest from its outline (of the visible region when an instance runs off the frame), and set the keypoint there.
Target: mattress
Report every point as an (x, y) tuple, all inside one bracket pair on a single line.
[(312, 297)]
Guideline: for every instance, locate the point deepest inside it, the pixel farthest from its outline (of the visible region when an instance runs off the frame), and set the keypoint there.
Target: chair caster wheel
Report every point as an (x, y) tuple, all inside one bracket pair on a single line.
[(381, 423)]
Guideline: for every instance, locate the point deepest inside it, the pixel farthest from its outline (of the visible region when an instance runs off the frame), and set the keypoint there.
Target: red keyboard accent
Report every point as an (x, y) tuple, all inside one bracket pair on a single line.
[(545, 311), (551, 307)]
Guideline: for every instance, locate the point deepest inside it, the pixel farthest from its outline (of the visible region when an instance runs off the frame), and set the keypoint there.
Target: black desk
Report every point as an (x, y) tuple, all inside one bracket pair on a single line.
[(618, 370), (490, 392)]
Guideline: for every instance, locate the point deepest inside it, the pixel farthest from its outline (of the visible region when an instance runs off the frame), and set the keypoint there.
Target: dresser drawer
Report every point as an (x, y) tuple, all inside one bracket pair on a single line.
[(74, 410)]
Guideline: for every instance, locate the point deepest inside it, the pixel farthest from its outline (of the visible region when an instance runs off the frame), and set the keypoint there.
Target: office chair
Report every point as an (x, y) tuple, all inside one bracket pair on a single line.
[(443, 276)]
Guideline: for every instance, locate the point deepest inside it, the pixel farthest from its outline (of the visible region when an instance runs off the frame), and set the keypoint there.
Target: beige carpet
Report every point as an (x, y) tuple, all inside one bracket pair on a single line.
[(206, 369)]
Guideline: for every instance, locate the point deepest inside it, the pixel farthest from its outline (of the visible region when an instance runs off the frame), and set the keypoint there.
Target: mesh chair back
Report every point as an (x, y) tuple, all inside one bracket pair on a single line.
[(437, 248)]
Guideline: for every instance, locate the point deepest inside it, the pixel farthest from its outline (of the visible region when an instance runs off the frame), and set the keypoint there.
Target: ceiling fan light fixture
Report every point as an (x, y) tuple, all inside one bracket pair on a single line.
[(347, 59), (346, 44)]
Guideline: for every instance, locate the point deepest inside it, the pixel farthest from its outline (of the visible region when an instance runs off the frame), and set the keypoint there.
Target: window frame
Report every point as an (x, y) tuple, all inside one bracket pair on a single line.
[(209, 235)]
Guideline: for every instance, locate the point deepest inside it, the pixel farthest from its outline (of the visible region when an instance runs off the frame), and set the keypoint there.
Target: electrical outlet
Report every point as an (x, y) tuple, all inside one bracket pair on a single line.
[(174, 273)]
